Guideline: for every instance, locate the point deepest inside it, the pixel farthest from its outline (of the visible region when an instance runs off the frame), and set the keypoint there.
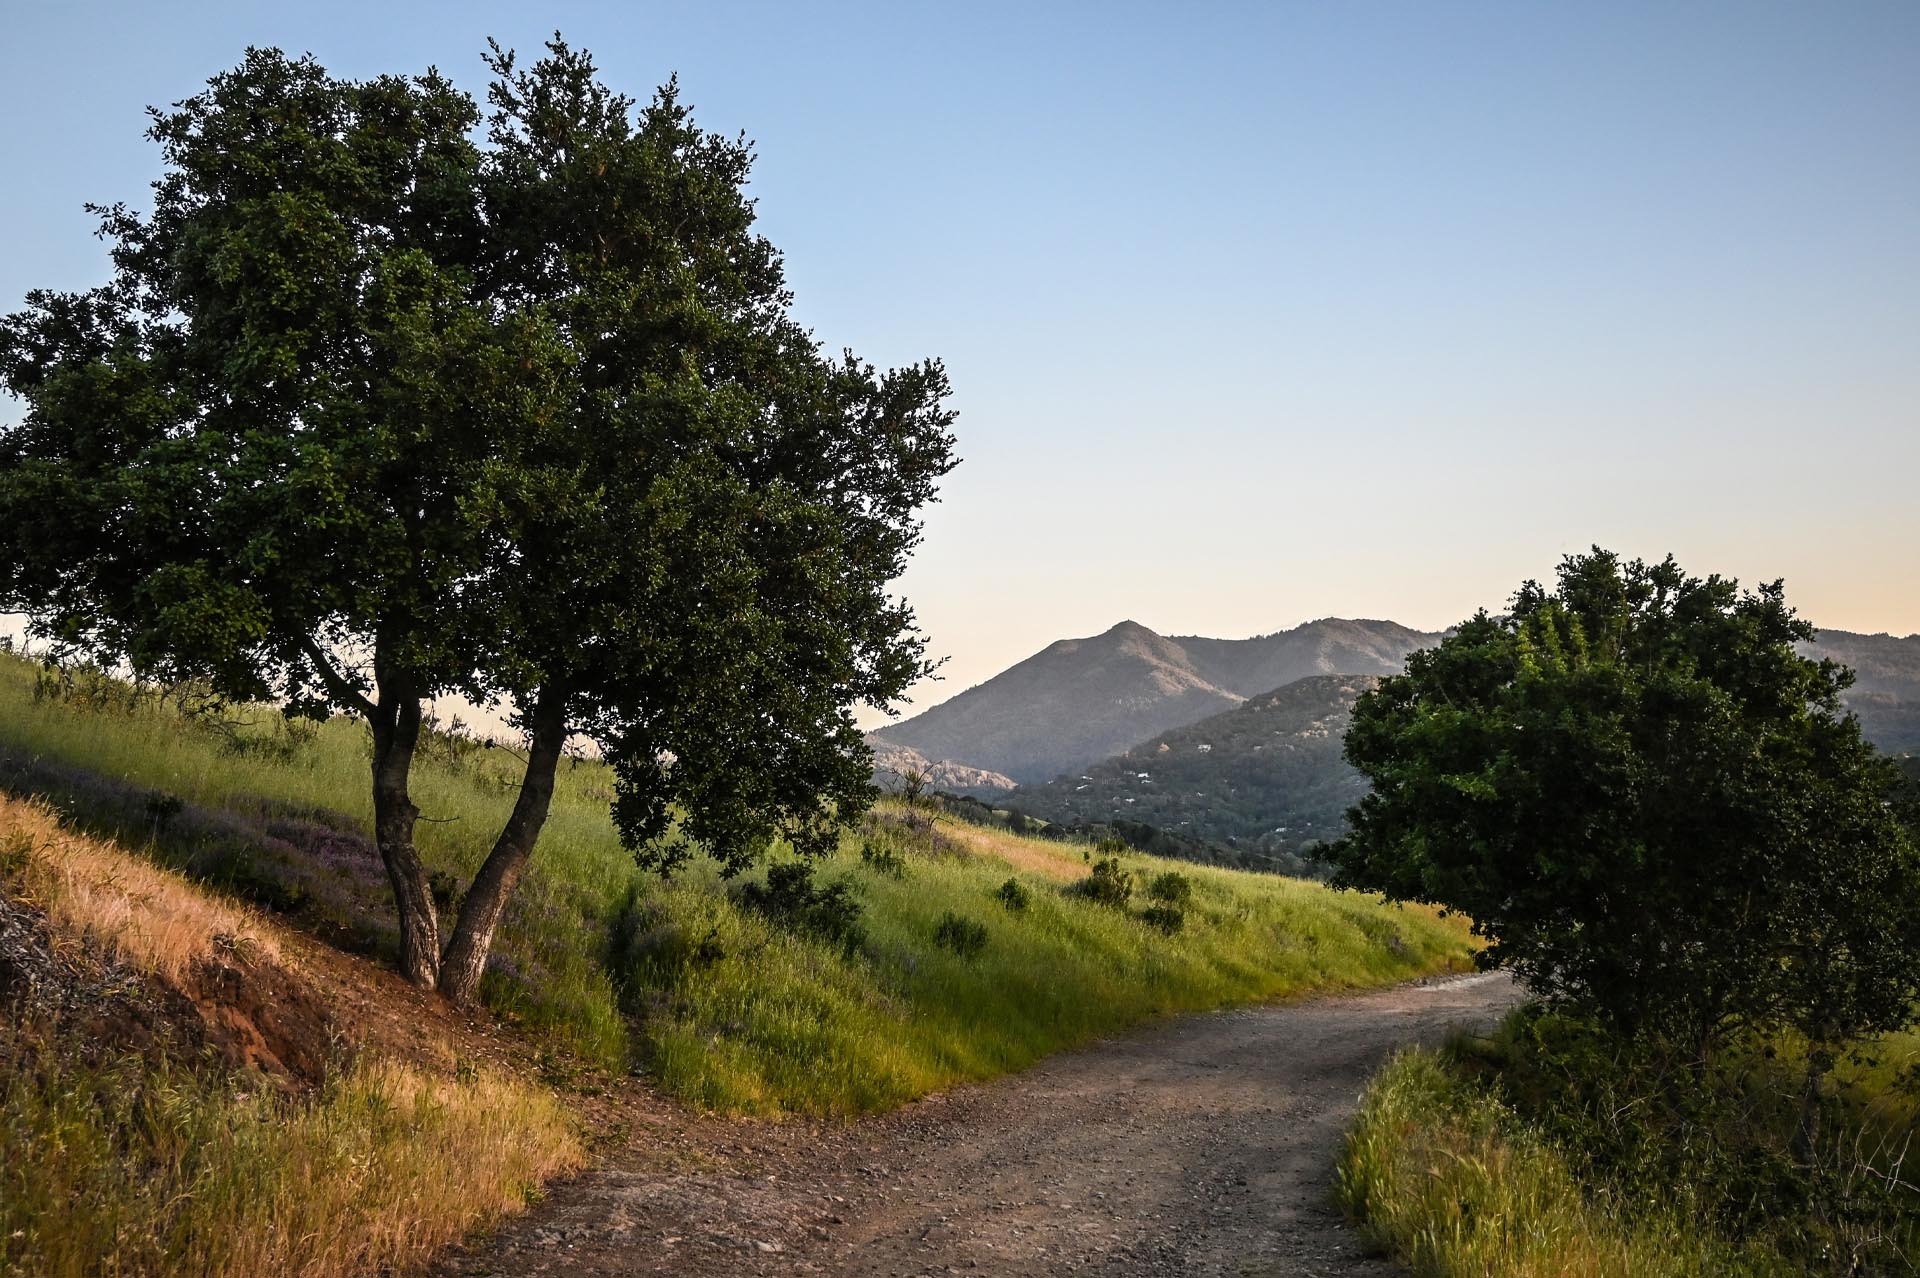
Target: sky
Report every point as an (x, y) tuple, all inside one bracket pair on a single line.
[(1254, 313)]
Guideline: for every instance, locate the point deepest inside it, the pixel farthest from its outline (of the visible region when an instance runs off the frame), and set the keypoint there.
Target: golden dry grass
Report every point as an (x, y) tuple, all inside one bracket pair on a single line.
[(156, 921), (151, 1169), (131, 1165), (1059, 862)]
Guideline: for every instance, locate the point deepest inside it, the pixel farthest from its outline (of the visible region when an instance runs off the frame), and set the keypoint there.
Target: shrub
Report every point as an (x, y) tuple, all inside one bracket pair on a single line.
[(963, 936), (1108, 884), (790, 898), (1164, 918), (883, 858), (1014, 895), (1172, 888), (1112, 845)]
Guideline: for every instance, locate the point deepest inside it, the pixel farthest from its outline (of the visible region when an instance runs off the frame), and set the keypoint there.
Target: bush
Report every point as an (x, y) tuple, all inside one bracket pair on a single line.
[(1014, 895), (1108, 884), (1172, 888), (790, 899), (963, 936), (883, 858), (1112, 845), (1164, 918)]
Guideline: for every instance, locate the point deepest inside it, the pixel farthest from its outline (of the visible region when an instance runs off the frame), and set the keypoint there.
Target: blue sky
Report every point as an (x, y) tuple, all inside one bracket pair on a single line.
[(1254, 313)]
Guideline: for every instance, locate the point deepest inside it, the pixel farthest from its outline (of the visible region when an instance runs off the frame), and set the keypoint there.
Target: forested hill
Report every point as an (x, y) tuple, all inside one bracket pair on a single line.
[(1081, 700), (1264, 781), (1886, 690)]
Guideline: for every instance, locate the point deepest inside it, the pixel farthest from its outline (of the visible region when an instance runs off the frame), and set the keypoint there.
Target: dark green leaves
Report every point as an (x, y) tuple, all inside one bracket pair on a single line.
[(1651, 805)]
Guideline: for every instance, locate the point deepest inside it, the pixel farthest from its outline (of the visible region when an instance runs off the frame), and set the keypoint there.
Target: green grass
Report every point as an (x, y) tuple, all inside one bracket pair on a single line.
[(1540, 1150), (1460, 1187), (726, 1009)]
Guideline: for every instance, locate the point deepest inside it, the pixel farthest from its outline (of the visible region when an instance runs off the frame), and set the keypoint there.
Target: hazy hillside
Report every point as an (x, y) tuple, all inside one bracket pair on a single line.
[(1080, 700), (891, 763), (1886, 692), (1265, 777)]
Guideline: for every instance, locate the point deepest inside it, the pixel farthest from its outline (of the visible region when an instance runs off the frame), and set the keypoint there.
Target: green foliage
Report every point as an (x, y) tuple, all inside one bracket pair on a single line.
[(1165, 919), (1826, 1195), (882, 857), (1171, 888), (382, 404), (1109, 884), (1014, 895), (1111, 845), (726, 1008), (1651, 804), (963, 936), (1557, 1140), (791, 898), (1458, 1185)]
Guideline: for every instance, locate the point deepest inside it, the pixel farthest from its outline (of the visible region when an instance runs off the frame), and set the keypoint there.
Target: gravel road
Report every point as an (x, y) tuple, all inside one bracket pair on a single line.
[(1199, 1145)]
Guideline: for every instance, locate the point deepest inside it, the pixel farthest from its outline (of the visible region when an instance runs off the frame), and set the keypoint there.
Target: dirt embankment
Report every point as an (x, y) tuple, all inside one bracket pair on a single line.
[(1200, 1145)]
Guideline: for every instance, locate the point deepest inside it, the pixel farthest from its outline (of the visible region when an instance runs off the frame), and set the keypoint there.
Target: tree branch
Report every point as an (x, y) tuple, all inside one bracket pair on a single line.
[(336, 682)]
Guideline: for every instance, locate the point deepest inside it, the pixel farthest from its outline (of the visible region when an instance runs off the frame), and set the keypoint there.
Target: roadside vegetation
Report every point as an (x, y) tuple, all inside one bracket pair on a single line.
[(1659, 814), (1529, 1154), (737, 995)]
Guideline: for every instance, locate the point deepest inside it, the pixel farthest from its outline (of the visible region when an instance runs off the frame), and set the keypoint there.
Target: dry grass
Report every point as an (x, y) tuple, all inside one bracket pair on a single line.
[(138, 1169), (125, 1164), (153, 920), (1059, 862)]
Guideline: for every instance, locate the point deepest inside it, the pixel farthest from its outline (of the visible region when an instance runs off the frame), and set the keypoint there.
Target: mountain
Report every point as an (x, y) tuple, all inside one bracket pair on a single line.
[(1886, 689), (891, 763), (1264, 779), (1080, 700)]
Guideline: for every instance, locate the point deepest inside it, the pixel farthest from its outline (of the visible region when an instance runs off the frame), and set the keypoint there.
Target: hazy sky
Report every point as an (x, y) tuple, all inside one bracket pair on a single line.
[(1254, 313)]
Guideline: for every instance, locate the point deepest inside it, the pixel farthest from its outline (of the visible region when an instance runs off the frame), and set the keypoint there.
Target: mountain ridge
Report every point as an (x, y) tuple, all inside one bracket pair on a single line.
[(1080, 700), (1264, 783)]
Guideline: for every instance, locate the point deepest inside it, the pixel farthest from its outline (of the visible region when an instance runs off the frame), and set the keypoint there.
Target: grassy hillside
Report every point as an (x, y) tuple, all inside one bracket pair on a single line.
[(160, 1115), (1264, 781), (727, 1006)]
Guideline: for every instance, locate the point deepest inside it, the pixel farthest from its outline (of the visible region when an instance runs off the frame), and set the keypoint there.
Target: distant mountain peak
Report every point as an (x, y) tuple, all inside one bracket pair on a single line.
[(1078, 700)]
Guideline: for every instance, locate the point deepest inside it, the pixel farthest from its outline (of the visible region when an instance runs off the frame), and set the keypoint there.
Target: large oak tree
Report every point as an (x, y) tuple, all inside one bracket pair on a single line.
[(389, 398), (1652, 804)]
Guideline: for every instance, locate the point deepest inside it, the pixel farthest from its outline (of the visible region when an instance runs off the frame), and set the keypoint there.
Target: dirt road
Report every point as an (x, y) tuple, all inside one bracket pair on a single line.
[(1201, 1145)]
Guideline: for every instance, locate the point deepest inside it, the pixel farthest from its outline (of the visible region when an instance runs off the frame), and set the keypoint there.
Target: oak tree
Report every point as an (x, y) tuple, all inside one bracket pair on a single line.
[(1651, 804), (390, 398)]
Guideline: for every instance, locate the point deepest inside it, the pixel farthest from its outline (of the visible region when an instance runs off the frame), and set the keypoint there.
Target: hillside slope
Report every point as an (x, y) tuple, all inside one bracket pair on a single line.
[(1886, 690), (892, 763), (1265, 778), (1080, 700)]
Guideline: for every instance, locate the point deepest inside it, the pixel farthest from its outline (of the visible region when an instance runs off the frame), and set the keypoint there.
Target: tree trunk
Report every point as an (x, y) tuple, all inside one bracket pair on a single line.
[(396, 734), (486, 899), (1806, 1136)]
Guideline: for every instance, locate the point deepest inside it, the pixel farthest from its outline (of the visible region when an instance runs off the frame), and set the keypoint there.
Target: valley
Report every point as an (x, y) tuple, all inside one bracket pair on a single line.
[(1210, 752)]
